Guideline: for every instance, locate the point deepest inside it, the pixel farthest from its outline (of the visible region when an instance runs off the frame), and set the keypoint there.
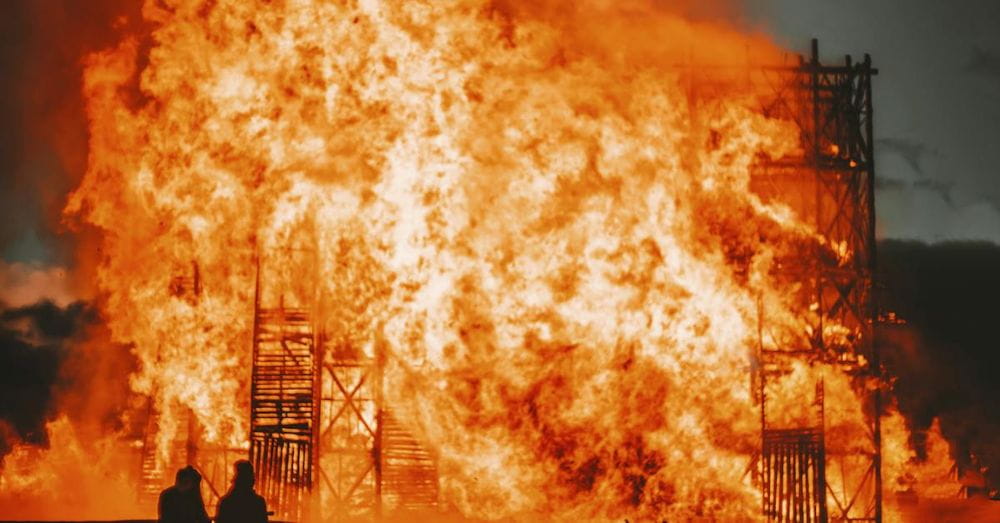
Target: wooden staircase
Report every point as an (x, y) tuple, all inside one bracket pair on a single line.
[(155, 474), (409, 475)]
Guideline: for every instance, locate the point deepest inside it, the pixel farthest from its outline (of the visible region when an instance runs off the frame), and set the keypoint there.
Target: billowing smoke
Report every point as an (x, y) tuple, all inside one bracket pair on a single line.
[(35, 342), (945, 359), (49, 340)]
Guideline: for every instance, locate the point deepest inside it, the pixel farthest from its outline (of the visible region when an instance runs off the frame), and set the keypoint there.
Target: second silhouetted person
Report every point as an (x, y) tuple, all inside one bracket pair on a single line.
[(241, 504)]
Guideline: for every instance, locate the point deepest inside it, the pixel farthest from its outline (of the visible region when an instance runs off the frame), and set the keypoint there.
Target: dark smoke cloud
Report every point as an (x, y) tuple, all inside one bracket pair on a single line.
[(35, 342), (911, 151), (885, 183), (58, 361), (53, 360), (983, 61), (946, 360), (942, 188)]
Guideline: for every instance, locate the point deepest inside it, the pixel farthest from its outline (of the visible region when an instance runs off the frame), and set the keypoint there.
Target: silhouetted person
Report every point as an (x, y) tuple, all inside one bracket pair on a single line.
[(182, 502), (241, 504)]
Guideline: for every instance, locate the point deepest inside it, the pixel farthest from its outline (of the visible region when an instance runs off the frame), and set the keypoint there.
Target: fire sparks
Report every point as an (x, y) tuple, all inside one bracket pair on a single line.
[(542, 214)]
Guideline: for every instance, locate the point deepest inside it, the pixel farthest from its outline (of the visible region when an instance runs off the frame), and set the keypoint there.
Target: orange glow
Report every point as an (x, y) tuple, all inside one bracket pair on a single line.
[(73, 477)]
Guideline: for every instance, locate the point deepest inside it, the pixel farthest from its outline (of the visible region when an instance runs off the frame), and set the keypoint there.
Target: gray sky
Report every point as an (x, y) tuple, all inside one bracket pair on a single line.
[(937, 103)]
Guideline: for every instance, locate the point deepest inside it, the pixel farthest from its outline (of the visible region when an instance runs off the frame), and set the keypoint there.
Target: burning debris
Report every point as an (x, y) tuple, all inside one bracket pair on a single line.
[(524, 257)]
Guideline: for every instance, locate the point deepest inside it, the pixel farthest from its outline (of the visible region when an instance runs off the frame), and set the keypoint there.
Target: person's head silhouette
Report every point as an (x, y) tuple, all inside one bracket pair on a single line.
[(243, 478), (187, 479), (241, 504)]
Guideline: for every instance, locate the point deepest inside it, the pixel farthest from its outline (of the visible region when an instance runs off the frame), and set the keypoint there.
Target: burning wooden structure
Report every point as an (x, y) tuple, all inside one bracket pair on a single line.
[(325, 442), (508, 260), (834, 182), (322, 441)]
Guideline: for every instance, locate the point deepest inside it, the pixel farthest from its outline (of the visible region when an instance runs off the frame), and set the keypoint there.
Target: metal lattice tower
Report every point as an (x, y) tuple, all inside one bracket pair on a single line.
[(832, 184), (349, 468), (322, 440), (368, 462)]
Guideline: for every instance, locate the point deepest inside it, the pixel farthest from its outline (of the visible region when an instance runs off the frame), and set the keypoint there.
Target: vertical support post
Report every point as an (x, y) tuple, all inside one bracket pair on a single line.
[(377, 458), (820, 463), (377, 451), (191, 444), (254, 354), (817, 159), (876, 363), (319, 346)]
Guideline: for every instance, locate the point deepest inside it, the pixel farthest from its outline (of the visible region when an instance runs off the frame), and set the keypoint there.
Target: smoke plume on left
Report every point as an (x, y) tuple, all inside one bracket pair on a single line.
[(63, 385)]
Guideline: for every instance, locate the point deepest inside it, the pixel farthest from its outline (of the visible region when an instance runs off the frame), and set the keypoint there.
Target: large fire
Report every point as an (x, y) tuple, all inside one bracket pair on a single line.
[(541, 212)]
